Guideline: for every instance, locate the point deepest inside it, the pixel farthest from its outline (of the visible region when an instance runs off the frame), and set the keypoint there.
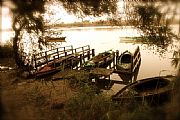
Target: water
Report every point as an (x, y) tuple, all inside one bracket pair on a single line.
[(109, 38), (106, 38)]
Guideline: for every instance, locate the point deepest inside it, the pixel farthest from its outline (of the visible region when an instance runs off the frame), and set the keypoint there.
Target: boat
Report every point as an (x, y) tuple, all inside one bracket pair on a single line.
[(46, 70), (153, 91), (102, 60), (55, 39), (54, 36), (127, 62), (57, 65)]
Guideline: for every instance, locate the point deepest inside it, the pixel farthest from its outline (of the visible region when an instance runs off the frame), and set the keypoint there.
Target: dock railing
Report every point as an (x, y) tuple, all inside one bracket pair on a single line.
[(62, 54), (136, 59)]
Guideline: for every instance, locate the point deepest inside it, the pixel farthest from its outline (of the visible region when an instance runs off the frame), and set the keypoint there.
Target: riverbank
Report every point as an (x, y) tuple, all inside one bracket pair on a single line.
[(69, 99)]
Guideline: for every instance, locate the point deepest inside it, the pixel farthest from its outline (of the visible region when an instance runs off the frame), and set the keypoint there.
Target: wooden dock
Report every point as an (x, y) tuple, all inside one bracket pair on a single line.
[(65, 56)]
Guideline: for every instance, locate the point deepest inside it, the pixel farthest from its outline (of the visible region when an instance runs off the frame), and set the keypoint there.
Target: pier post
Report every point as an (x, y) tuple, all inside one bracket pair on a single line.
[(83, 54), (114, 60), (132, 65), (58, 53), (80, 59), (46, 57), (35, 61), (117, 55), (72, 49), (93, 52), (88, 54)]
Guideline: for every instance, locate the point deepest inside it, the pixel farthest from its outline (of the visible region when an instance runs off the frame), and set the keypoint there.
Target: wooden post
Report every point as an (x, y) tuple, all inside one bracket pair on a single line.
[(72, 49), (75, 51), (113, 59), (35, 61), (46, 57), (132, 65), (58, 53), (88, 54), (117, 55), (93, 52), (64, 49), (83, 54), (80, 59)]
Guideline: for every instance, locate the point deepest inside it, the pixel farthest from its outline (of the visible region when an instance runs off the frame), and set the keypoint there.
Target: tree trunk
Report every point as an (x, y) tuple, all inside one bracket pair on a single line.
[(17, 56)]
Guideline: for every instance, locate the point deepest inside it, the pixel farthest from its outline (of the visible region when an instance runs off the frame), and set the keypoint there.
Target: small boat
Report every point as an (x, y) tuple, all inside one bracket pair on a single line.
[(57, 65), (154, 91), (46, 70), (55, 39), (54, 36), (127, 62), (102, 60)]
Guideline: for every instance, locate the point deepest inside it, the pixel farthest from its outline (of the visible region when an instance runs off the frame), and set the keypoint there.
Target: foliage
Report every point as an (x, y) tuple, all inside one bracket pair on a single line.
[(150, 20), (176, 60), (90, 7)]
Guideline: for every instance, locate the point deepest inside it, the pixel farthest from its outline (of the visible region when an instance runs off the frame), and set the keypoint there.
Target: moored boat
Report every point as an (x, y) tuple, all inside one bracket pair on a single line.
[(46, 70), (127, 62), (154, 91), (55, 39), (102, 60), (57, 65)]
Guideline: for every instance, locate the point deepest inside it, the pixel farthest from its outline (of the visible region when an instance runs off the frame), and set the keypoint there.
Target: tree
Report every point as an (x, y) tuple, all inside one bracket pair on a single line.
[(152, 18)]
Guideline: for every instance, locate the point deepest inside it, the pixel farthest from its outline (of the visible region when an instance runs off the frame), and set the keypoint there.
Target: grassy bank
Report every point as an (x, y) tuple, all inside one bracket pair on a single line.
[(73, 98)]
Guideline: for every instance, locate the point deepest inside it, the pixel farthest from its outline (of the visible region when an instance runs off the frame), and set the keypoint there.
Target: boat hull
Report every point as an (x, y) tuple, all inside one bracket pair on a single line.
[(124, 62), (102, 60), (154, 91)]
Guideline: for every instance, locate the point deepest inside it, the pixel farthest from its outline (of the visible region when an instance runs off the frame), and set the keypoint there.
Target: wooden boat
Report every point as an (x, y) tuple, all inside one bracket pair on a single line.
[(102, 60), (129, 77), (46, 70), (58, 65), (54, 36), (154, 91), (127, 62), (55, 39)]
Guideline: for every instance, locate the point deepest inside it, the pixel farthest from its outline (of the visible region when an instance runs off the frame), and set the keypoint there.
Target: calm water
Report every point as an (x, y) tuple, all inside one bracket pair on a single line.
[(106, 38)]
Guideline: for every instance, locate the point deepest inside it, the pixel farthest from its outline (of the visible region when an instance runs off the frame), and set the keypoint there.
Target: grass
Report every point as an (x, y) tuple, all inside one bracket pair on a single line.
[(89, 105), (56, 101)]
